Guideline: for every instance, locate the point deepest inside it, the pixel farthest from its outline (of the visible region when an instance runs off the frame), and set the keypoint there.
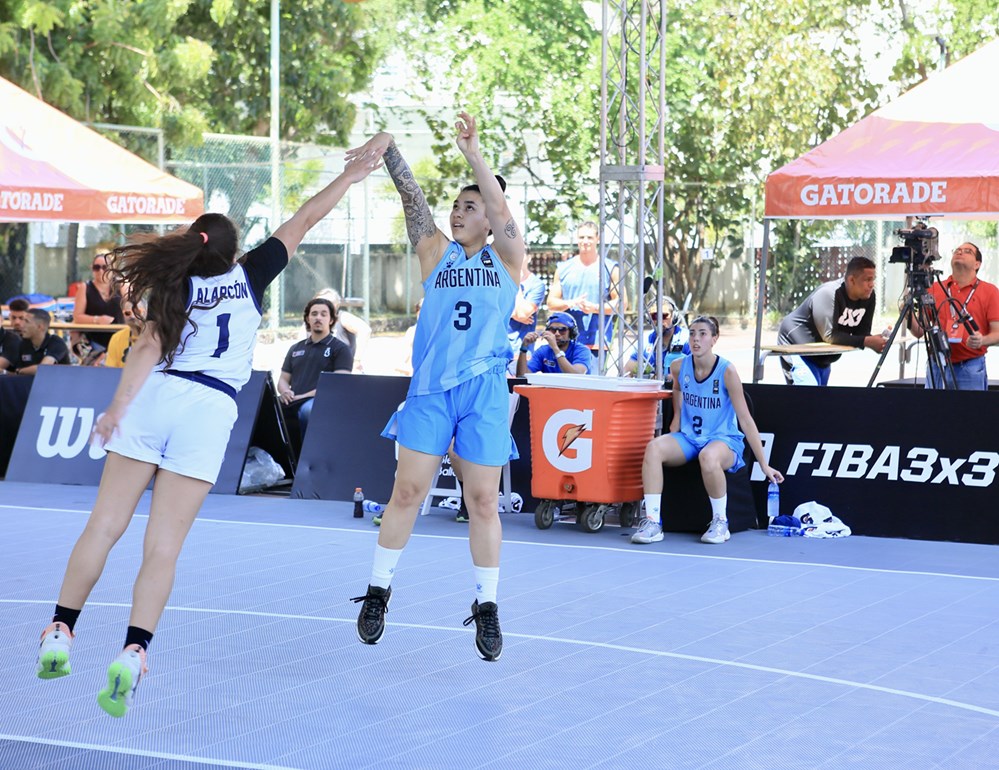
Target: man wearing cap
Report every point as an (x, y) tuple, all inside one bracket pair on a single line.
[(968, 308), (675, 342), (562, 354)]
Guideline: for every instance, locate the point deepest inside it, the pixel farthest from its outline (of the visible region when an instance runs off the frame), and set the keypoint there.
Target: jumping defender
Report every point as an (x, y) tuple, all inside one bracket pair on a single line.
[(171, 416)]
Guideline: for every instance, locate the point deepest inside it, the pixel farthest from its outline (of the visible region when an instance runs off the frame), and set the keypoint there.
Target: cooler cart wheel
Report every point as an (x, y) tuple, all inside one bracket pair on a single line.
[(544, 516), (628, 513), (591, 518)]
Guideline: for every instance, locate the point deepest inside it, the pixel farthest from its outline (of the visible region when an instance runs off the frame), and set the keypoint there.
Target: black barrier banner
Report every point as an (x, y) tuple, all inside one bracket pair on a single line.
[(53, 440), (889, 463), (14, 392), (343, 448)]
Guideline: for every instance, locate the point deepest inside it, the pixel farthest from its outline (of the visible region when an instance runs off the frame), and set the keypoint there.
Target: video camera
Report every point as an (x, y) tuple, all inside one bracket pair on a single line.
[(922, 246)]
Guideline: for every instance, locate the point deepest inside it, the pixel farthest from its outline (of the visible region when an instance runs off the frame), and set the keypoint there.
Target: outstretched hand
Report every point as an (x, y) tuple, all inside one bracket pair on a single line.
[(362, 162), (376, 145), (468, 134)]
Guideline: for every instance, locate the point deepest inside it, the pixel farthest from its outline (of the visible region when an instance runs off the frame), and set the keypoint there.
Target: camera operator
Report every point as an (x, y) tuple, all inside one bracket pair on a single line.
[(968, 309), (839, 312)]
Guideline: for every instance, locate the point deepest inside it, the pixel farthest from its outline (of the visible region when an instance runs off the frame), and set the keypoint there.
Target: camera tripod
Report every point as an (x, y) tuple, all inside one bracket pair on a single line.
[(920, 306)]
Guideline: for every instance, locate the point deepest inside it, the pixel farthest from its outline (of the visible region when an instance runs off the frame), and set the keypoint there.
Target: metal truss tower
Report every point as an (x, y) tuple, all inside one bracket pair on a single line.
[(632, 171)]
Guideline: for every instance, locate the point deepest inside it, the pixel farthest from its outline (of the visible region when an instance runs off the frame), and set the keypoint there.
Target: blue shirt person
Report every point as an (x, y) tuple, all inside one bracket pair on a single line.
[(561, 353), (576, 287), (525, 313)]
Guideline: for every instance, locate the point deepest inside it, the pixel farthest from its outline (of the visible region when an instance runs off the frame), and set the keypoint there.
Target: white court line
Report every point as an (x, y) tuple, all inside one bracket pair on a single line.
[(609, 549), (142, 753), (582, 643)]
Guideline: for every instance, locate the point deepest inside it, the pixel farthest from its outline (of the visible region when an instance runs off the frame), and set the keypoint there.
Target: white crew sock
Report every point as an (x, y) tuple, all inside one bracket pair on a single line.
[(718, 506), (652, 503), (384, 566), (486, 583)]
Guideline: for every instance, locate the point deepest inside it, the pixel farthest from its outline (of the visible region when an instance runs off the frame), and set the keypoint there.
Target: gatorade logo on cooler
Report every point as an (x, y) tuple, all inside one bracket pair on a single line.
[(563, 443)]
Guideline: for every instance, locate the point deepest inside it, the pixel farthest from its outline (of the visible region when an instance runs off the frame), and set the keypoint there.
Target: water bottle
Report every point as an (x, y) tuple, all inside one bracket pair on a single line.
[(778, 530), (370, 506), (773, 501), (358, 503)]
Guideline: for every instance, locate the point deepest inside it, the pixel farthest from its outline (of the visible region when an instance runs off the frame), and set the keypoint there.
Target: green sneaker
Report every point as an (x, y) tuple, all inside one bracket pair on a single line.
[(53, 652), (124, 675)]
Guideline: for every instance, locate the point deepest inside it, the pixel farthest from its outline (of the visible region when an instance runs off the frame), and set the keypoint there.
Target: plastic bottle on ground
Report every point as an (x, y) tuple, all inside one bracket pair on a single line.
[(358, 503)]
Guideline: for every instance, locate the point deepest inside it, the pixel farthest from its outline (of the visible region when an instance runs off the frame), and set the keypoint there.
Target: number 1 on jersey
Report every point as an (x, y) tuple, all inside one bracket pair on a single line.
[(222, 321)]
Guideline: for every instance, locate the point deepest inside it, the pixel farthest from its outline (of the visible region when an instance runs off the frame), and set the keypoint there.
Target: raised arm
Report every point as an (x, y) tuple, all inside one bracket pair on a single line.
[(322, 203), (428, 241), (508, 241)]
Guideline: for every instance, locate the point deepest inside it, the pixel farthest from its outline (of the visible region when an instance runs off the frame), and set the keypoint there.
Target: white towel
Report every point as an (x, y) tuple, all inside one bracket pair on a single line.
[(818, 521)]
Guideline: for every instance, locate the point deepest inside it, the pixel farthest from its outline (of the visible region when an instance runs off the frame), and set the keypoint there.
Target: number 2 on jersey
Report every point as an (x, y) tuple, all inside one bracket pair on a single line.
[(697, 422), (222, 321), (464, 320)]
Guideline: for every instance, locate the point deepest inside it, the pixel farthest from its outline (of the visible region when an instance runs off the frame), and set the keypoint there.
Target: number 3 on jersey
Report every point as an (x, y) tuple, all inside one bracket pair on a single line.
[(464, 320)]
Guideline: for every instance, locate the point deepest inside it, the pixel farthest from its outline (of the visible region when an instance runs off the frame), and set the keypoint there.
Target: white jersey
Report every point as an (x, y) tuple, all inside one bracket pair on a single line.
[(224, 312)]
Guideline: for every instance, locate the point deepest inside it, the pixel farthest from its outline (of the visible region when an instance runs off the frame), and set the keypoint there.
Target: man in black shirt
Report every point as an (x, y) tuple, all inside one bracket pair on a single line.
[(38, 347), (306, 360), (839, 312)]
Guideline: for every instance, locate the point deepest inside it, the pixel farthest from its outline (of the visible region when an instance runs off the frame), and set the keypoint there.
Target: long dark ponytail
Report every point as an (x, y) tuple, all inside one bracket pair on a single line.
[(155, 269)]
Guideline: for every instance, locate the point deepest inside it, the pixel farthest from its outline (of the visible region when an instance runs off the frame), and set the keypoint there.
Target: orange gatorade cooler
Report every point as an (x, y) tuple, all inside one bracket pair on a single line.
[(588, 437)]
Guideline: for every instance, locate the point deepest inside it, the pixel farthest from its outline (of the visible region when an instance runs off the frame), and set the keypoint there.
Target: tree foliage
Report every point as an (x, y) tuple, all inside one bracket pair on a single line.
[(192, 66), (529, 71)]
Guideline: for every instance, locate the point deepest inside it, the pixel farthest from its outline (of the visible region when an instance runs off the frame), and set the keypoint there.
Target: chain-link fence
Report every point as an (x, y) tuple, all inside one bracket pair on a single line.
[(362, 251)]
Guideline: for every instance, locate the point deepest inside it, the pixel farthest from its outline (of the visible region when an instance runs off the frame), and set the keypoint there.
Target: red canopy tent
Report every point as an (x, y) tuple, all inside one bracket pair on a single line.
[(53, 168), (934, 151)]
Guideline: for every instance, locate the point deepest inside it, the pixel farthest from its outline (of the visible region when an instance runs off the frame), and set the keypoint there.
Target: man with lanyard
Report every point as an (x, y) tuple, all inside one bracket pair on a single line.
[(968, 309), (307, 359), (562, 353)]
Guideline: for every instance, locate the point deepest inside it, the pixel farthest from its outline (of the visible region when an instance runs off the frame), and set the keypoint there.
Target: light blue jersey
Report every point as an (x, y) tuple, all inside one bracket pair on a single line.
[(462, 331), (706, 413)]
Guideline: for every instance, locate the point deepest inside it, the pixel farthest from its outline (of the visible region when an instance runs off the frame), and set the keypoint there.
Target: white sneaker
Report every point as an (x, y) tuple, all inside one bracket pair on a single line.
[(124, 674), (717, 533), (649, 531), (53, 652)]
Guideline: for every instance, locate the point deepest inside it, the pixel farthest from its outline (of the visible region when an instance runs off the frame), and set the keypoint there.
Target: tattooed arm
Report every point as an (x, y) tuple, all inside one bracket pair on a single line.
[(508, 241), (426, 238)]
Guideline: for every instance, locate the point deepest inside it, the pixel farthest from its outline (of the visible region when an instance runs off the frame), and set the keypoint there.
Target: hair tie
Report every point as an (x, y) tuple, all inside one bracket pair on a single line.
[(204, 237)]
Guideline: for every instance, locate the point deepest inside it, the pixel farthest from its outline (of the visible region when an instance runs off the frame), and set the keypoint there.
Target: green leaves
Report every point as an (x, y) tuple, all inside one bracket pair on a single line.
[(40, 17)]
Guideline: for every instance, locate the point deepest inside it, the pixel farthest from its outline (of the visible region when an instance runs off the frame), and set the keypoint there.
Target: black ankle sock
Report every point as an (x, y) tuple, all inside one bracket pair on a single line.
[(66, 615), (139, 636)]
